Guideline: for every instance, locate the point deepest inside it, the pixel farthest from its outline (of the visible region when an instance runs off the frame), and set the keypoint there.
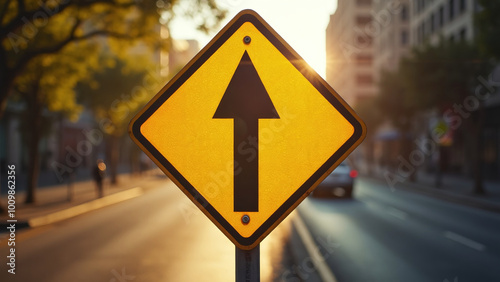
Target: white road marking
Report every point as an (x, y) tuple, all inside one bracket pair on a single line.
[(390, 210), (397, 213), (323, 269), (464, 241)]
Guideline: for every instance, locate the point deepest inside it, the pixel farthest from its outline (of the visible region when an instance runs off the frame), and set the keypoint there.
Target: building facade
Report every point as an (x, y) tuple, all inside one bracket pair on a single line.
[(436, 19), (181, 51), (365, 38), (392, 42), (349, 50)]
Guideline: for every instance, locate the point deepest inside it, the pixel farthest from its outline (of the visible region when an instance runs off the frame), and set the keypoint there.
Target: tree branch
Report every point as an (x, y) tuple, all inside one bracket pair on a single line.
[(17, 22), (108, 33), (21, 8), (71, 38), (24, 60)]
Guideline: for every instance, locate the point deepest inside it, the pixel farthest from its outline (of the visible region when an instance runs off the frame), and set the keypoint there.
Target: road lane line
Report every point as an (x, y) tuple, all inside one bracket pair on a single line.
[(397, 213), (464, 241), (319, 262)]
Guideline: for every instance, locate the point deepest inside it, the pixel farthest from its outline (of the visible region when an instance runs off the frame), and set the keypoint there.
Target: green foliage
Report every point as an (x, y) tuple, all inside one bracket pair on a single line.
[(369, 111), (440, 75), (48, 47), (393, 99), (56, 76), (487, 22), (432, 77), (117, 91), (30, 29)]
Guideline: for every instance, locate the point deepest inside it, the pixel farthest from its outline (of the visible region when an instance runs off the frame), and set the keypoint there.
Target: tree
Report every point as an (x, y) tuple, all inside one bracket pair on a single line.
[(444, 76), (393, 99), (30, 28), (438, 78), (370, 113), (488, 28), (396, 107), (115, 94), (44, 41), (43, 90)]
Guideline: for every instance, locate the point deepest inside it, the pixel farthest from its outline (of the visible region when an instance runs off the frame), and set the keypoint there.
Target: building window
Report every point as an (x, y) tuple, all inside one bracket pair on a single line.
[(363, 20), (404, 13), (360, 96), (451, 9), (364, 79), (463, 34), (441, 17), (364, 59), (363, 2), (404, 37), (462, 5), (364, 40)]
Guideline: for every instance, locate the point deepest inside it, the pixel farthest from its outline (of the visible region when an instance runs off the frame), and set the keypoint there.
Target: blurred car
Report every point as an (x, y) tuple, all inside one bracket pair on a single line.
[(339, 183)]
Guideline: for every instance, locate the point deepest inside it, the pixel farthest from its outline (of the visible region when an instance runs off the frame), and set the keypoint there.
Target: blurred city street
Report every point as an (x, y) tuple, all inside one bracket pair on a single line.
[(385, 235), (351, 140)]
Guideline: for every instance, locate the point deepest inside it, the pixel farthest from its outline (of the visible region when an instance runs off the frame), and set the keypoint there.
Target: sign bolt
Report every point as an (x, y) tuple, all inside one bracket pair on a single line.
[(247, 39), (245, 219)]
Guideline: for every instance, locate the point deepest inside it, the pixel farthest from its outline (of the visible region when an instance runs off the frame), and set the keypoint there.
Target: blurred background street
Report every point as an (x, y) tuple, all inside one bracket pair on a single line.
[(423, 75)]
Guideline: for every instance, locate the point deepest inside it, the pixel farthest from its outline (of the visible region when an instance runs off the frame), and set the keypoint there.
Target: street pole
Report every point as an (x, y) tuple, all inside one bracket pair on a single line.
[(248, 265)]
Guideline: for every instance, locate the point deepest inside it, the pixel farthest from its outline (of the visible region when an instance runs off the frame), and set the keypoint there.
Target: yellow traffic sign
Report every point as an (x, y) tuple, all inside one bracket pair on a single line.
[(247, 129)]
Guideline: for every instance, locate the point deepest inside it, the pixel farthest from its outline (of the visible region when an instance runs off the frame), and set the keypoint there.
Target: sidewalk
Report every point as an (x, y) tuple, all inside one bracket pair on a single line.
[(48, 178), (454, 188), (82, 196)]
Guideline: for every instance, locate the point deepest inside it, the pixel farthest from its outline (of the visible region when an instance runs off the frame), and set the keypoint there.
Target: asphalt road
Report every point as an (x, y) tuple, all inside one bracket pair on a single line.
[(384, 235), (381, 235), (159, 236)]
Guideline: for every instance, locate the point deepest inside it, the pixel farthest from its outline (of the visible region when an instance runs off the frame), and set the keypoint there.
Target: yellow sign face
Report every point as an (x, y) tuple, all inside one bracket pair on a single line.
[(247, 129)]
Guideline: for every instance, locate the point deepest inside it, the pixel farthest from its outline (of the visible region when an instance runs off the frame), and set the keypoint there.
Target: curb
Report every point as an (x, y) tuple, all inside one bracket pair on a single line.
[(76, 210), (85, 207), (444, 195), (323, 270)]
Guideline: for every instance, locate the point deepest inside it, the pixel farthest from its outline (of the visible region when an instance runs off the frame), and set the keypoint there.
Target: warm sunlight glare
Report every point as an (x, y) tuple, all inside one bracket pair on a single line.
[(301, 25)]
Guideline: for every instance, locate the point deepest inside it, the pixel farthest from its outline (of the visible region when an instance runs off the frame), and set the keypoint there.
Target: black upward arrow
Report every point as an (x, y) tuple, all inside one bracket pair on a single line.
[(246, 101)]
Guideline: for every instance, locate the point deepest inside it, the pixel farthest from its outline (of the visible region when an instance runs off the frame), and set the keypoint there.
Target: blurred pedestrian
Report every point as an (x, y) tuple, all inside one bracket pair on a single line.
[(99, 174)]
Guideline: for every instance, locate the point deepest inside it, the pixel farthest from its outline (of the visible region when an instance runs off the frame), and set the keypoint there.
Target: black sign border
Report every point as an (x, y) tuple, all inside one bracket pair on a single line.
[(330, 95)]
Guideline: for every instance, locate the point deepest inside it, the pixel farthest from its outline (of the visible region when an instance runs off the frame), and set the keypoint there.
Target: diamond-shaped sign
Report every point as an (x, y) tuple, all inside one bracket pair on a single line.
[(247, 129)]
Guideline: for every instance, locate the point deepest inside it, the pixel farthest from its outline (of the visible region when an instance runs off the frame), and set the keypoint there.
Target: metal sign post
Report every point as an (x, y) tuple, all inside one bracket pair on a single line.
[(248, 265)]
